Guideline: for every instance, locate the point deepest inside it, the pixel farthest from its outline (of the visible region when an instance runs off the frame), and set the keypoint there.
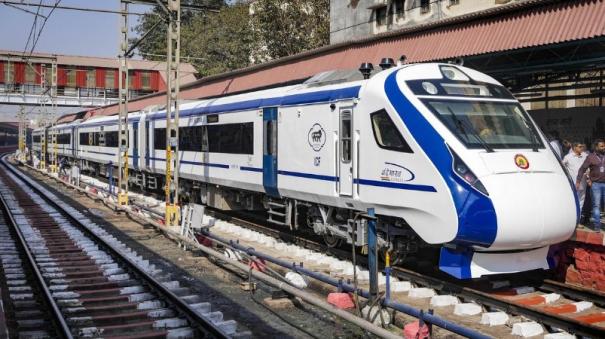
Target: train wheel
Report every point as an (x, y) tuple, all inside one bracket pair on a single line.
[(332, 240)]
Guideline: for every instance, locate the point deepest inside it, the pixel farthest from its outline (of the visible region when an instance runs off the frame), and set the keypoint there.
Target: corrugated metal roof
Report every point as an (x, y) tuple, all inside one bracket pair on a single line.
[(519, 25)]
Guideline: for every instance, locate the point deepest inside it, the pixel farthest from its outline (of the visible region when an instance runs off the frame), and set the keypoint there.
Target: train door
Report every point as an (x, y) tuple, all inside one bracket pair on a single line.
[(147, 145), (135, 144), (74, 143), (270, 151), (345, 152)]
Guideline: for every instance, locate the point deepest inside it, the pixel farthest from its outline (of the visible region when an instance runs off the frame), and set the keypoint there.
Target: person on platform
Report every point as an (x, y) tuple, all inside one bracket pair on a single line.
[(555, 144), (595, 164), (573, 161), (63, 166)]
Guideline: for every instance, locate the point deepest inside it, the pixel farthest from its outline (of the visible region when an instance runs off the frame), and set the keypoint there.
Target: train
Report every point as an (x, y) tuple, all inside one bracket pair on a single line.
[(445, 156)]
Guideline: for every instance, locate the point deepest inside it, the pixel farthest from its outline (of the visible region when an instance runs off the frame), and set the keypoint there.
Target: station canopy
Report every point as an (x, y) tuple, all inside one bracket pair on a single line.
[(513, 43)]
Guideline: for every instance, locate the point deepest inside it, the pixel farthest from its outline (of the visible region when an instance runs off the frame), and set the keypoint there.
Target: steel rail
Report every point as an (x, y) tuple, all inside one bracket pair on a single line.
[(60, 323), (555, 321), (197, 321), (573, 292)]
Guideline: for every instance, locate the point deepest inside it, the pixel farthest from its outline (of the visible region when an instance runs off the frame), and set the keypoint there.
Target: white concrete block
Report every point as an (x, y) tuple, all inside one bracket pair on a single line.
[(363, 275), (375, 316), (494, 318), (582, 305), (280, 246), (444, 300), (559, 335), (421, 292), (302, 252), (296, 280), (524, 290), (349, 270), (551, 297), (338, 265), (527, 329), (465, 309)]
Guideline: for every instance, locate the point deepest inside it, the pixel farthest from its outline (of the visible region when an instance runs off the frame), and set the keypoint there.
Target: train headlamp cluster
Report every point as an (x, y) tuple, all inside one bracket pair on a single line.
[(465, 173)]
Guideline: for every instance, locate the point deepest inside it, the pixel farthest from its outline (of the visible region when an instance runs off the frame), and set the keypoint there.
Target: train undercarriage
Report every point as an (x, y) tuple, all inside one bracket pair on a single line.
[(337, 226)]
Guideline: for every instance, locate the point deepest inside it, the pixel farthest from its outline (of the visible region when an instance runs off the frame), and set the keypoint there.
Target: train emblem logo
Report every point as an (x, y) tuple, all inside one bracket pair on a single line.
[(396, 173), (521, 161), (317, 137)]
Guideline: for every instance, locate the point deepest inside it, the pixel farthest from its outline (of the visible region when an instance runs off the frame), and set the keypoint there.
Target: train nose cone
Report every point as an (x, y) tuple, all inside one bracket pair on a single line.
[(535, 207)]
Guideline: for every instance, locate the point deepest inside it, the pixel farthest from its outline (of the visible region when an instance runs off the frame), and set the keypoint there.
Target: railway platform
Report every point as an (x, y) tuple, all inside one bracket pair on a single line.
[(581, 259)]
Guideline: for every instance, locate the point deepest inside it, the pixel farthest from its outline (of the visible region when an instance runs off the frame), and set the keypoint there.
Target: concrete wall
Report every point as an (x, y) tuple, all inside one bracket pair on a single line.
[(355, 19)]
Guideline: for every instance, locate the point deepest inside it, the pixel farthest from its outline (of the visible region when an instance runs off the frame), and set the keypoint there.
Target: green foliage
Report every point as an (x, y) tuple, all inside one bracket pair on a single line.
[(285, 28), (236, 36)]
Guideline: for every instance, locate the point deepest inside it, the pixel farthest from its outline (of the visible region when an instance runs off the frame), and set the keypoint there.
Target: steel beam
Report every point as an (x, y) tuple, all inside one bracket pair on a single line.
[(171, 189), (123, 103)]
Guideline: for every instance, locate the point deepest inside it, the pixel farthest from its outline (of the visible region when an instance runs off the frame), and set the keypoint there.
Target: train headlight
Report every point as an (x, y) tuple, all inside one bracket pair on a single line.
[(465, 173)]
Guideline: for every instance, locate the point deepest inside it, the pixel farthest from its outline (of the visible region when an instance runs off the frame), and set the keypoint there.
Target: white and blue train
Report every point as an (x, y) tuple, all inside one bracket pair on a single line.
[(444, 154)]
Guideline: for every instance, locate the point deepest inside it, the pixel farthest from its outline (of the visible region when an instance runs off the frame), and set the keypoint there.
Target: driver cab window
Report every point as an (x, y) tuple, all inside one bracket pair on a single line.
[(386, 134)]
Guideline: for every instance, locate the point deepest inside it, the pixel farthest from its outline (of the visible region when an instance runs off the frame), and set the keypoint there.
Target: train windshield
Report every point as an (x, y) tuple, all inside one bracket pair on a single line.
[(487, 124)]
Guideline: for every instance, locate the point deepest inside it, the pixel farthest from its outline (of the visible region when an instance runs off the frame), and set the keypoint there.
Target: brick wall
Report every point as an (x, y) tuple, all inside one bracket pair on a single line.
[(581, 261)]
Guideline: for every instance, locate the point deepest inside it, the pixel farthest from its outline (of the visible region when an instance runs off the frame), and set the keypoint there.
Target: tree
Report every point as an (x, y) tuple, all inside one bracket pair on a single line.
[(219, 42), (241, 33), (153, 47), (289, 27)]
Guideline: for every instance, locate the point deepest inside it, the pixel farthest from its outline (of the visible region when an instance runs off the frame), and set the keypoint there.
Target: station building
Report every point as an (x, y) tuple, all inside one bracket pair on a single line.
[(73, 83)]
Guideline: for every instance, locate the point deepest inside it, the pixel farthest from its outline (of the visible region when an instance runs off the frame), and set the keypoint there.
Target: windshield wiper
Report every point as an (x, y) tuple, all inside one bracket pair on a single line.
[(460, 124), (534, 139)]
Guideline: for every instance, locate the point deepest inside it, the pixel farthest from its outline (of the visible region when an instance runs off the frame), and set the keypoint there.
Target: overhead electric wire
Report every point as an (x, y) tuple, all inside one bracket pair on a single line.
[(83, 9)]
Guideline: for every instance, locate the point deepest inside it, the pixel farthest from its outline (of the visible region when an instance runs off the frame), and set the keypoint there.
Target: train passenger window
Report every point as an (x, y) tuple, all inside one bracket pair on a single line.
[(205, 139), (159, 138), (345, 135), (111, 139), (269, 147), (84, 138), (190, 138), (63, 139), (386, 134), (231, 138)]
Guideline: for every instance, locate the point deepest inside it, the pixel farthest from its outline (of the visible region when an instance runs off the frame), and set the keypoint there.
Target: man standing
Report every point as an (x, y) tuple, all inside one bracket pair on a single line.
[(595, 162), (573, 161)]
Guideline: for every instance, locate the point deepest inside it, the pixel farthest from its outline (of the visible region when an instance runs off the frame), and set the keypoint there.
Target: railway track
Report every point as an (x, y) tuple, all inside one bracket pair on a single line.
[(577, 310), (83, 281), (563, 314)]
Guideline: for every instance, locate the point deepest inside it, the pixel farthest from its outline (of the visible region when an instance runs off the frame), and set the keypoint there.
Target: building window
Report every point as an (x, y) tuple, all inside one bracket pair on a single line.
[(9, 72), (71, 78), (110, 78), (131, 76), (381, 16), (91, 78), (398, 8), (454, 2), (425, 6), (30, 74), (145, 80), (48, 75)]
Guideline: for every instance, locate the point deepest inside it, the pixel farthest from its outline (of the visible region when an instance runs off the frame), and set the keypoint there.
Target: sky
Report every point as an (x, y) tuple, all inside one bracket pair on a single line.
[(67, 32)]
